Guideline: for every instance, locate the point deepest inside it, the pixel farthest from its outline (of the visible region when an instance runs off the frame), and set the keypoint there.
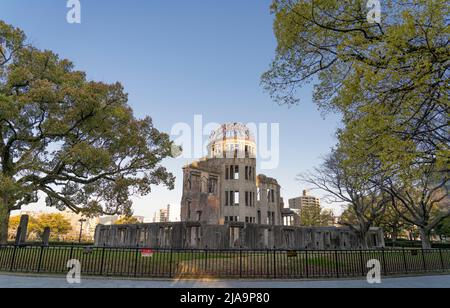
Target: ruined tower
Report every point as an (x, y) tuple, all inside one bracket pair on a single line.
[(224, 187)]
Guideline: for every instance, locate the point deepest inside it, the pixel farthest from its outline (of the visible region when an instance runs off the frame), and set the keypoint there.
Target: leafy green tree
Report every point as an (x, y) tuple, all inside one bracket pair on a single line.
[(315, 216), (14, 222), (395, 72), (127, 220), (443, 229), (73, 140), (388, 80), (327, 218), (392, 223), (310, 216), (348, 217), (58, 224)]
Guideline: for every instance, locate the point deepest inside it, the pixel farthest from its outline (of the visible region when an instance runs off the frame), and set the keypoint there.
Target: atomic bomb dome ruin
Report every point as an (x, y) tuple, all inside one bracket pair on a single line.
[(225, 204)]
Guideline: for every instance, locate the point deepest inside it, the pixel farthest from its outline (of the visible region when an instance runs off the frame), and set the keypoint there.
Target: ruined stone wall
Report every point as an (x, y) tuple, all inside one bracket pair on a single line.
[(190, 235), (269, 205)]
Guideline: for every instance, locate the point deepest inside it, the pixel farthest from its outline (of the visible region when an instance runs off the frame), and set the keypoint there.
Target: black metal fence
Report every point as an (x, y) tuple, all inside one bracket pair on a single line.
[(171, 263), (415, 244)]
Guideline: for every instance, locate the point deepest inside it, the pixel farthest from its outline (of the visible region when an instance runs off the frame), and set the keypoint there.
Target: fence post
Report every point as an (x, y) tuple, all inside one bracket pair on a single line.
[(103, 259), (404, 260), (274, 263), (240, 263), (361, 259), (136, 258), (337, 264), (307, 264), (384, 262), (13, 259), (424, 261), (206, 259), (40, 259), (71, 252), (442, 259), (170, 264)]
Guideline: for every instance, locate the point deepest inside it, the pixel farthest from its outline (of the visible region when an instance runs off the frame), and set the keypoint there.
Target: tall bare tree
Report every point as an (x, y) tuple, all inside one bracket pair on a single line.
[(346, 185), (421, 198)]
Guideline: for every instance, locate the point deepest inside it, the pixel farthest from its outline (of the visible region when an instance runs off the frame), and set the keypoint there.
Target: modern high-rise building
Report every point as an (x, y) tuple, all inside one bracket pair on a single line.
[(304, 200), (163, 215), (297, 204), (224, 187)]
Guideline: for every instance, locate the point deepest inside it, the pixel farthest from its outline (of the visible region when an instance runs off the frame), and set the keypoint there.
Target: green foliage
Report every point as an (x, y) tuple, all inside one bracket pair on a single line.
[(392, 223), (389, 80), (314, 216), (58, 224), (390, 83), (14, 223), (443, 228), (74, 140), (127, 220)]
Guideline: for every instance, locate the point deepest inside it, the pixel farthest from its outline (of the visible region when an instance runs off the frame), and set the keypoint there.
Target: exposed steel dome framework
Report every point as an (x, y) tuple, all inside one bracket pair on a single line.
[(232, 137)]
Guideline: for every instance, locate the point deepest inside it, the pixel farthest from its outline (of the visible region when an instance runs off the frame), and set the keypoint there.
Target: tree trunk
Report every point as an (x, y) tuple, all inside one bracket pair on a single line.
[(4, 223), (363, 242), (394, 238), (425, 237)]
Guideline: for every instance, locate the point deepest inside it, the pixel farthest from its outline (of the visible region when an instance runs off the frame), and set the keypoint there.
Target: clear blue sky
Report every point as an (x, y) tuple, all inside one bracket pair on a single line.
[(181, 58)]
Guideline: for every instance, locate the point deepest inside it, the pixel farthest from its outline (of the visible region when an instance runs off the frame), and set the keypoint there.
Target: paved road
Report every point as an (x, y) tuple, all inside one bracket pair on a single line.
[(8, 281)]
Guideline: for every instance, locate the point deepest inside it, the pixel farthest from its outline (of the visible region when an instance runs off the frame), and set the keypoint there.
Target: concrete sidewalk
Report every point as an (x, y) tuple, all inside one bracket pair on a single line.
[(17, 281)]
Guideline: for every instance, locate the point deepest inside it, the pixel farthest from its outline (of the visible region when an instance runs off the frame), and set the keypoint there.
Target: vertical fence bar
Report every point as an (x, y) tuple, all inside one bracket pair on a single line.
[(361, 259), (102, 261), (240, 263), (337, 263), (307, 264), (442, 259), (71, 253), (424, 261), (404, 260), (206, 260), (170, 263), (274, 263), (384, 262), (136, 258), (41, 253), (13, 259)]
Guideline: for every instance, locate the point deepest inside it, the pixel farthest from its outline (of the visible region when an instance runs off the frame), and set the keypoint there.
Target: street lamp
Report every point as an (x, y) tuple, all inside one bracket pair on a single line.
[(81, 228)]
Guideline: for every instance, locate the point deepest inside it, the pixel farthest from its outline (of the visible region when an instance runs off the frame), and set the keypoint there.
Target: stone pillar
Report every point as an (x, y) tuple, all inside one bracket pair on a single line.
[(381, 243), (21, 236), (46, 236)]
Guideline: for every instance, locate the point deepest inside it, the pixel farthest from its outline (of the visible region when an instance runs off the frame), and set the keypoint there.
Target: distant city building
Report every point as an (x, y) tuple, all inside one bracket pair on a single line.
[(224, 187), (140, 219), (163, 215), (108, 220), (296, 205), (304, 200), (89, 225)]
